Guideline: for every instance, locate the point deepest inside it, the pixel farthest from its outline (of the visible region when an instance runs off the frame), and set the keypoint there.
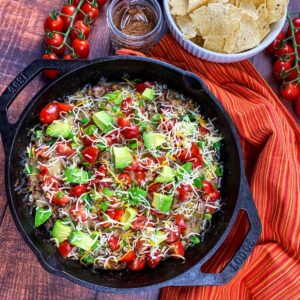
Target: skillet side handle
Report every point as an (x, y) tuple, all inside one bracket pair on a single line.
[(199, 278), (8, 129)]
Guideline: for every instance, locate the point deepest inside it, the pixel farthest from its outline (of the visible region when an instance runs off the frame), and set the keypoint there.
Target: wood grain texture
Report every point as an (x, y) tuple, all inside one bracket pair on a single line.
[(21, 36)]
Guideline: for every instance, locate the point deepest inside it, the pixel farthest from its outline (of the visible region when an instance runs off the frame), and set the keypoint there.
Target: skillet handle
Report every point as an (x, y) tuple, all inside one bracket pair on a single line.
[(196, 277), (8, 129)]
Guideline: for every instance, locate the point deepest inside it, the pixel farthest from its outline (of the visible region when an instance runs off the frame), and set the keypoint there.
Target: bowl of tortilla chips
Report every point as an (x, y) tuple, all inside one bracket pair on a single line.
[(225, 31)]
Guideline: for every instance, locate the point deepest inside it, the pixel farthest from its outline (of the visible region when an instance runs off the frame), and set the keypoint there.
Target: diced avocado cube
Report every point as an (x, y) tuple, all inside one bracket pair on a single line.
[(166, 175), (76, 175), (184, 169), (61, 231), (41, 216), (81, 240), (162, 202), (122, 157), (159, 237), (103, 120), (153, 140), (137, 195), (148, 94), (128, 217), (58, 128), (108, 192)]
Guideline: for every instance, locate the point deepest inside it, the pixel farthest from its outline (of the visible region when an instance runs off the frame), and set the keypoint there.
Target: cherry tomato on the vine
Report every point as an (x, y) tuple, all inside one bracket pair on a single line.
[(54, 41), (54, 22), (296, 23), (290, 91), (49, 73), (68, 10), (286, 52), (276, 43), (89, 12), (294, 73), (281, 68), (101, 3), (80, 30), (68, 56), (81, 48)]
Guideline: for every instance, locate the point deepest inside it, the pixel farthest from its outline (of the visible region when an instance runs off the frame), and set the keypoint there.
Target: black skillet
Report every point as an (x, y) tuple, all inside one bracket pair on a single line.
[(235, 191)]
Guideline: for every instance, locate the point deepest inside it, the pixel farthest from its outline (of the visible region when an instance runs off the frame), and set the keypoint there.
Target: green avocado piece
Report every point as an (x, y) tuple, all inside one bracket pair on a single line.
[(76, 175), (148, 94), (137, 195), (153, 140), (41, 216), (122, 157), (81, 240), (159, 237), (103, 120), (128, 217), (61, 231), (58, 128), (166, 175), (162, 202)]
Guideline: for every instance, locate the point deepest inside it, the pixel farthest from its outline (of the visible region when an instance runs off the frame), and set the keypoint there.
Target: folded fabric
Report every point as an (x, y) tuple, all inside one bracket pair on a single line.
[(270, 140)]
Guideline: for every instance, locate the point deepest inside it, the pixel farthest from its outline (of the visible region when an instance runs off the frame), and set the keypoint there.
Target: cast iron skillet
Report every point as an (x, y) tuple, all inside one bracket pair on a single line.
[(235, 190)]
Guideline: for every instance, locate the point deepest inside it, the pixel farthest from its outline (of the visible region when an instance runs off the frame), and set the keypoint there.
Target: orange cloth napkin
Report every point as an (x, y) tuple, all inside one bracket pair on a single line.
[(270, 140)]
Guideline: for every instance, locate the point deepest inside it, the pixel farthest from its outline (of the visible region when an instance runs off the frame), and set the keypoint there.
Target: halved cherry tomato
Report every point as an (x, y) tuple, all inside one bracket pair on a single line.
[(78, 190), (138, 264), (64, 106), (177, 249), (290, 91), (153, 261), (140, 245), (80, 30), (207, 187), (126, 105), (49, 113), (140, 87), (113, 243), (42, 153), (54, 41), (140, 177), (134, 166), (101, 172), (128, 257), (89, 11), (113, 138), (196, 161), (81, 48), (88, 140), (203, 130), (184, 192), (123, 122), (65, 248), (64, 149), (54, 22), (139, 222), (195, 150), (180, 222), (43, 172), (125, 179), (115, 214), (131, 132), (50, 73), (214, 196), (173, 235), (61, 198), (68, 11), (155, 187), (79, 214), (90, 154), (51, 183), (275, 44)]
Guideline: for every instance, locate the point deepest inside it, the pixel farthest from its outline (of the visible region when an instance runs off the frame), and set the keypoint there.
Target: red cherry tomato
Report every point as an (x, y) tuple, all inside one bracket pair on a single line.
[(54, 41), (89, 12), (90, 154), (196, 161), (294, 73), (140, 87), (140, 244), (134, 166), (49, 73), (290, 91), (81, 48), (68, 56), (78, 190), (67, 10), (207, 187), (195, 150), (275, 44), (64, 149), (137, 265), (155, 187), (78, 212), (139, 222), (296, 23), (180, 222), (140, 177), (203, 130), (184, 192), (123, 122), (214, 196), (125, 179), (50, 183), (61, 198), (80, 30), (298, 107), (128, 257), (101, 3), (177, 249), (286, 52), (154, 260), (49, 113), (65, 248), (102, 172), (115, 214), (126, 105), (64, 107), (281, 68), (43, 172), (88, 140), (113, 243), (173, 235), (54, 23)]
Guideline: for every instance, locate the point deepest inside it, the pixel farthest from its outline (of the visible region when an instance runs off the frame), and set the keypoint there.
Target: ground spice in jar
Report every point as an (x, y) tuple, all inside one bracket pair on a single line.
[(135, 20)]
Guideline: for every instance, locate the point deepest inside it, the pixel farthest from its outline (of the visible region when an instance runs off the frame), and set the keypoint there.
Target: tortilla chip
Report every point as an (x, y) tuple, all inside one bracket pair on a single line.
[(178, 7), (194, 4), (186, 26), (248, 8), (198, 40), (214, 43), (245, 38), (276, 9), (258, 3), (217, 19), (221, 1), (262, 21)]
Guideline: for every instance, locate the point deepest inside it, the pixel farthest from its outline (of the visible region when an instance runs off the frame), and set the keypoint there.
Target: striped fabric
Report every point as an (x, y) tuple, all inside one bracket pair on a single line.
[(270, 139)]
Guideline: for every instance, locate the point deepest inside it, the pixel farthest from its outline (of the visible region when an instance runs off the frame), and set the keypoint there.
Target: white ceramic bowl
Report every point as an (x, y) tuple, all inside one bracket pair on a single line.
[(205, 54)]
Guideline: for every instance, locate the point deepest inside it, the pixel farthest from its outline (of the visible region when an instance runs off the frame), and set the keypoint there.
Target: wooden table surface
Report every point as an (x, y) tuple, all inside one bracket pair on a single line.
[(21, 36)]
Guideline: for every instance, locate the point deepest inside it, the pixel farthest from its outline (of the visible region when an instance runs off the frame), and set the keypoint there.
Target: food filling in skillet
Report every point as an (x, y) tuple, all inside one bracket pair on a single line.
[(124, 175)]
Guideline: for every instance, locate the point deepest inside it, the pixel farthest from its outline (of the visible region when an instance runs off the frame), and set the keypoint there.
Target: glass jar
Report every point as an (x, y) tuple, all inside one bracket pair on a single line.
[(117, 14)]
